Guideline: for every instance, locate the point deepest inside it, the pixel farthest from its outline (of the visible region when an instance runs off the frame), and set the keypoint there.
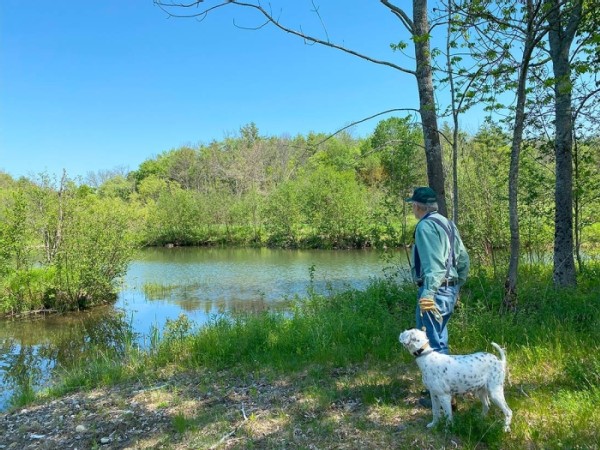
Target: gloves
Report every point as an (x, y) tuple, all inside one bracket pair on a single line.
[(428, 305)]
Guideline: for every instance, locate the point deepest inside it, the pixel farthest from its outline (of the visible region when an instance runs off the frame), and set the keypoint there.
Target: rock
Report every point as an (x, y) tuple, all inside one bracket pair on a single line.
[(80, 429)]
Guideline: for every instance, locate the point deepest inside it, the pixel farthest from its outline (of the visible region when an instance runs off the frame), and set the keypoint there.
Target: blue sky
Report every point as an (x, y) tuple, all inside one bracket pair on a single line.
[(100, 84)]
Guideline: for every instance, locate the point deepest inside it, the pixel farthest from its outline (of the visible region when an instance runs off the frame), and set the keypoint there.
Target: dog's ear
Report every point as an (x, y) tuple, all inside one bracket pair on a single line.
[(403, 337), (409, 340)]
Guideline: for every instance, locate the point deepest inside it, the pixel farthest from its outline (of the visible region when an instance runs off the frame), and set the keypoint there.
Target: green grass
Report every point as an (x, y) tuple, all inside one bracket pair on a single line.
[(343, 355), (24, 395)]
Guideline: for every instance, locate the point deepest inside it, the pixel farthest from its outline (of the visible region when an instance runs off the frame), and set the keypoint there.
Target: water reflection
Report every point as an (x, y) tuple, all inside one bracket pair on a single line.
[(22, 367), (160, 285), (31, 350)]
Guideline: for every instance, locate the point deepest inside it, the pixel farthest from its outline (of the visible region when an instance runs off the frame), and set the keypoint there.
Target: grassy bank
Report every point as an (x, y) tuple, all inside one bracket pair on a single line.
[(331, 374)]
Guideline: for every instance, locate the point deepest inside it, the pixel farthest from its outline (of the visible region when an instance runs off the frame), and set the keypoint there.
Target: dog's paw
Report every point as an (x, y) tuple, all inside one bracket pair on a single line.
[(431, 424)]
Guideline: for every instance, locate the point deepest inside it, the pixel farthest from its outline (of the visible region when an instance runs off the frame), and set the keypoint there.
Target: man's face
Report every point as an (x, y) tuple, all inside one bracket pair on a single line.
[(418, 212)]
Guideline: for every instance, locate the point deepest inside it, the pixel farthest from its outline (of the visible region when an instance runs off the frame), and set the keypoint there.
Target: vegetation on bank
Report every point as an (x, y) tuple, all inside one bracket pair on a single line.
[(342, 352), (64, 243), (61, 246)]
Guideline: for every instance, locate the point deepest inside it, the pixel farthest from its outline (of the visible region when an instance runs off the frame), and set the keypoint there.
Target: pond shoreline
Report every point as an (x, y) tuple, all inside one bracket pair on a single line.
[(160, 285)]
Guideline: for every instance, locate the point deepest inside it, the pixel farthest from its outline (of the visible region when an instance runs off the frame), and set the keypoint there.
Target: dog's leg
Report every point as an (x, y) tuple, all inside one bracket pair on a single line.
[(435, 409), (446, 404), (485, 400), (497, 396)]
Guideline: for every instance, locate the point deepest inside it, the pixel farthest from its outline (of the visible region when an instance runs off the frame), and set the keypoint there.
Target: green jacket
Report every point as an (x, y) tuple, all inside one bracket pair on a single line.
[(433, 246)]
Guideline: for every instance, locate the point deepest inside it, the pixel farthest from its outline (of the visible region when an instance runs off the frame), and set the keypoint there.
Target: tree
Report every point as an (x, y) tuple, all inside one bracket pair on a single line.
[(563, 22), (419, 30), (532, 35), (510, 36), (567, 91)]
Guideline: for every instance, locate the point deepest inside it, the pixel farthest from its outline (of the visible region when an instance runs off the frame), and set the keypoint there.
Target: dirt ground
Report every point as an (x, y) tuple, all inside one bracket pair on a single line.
[(222, 411)]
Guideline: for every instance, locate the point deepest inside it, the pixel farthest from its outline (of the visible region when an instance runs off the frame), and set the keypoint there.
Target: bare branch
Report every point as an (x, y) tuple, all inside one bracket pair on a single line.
[(364, 120), (399, 12), (316, 10), (264, 24), (583, 101), (167, 6)]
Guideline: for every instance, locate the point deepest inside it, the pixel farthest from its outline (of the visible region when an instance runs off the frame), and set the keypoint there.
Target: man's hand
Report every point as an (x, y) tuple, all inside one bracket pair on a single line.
[(428, 305)]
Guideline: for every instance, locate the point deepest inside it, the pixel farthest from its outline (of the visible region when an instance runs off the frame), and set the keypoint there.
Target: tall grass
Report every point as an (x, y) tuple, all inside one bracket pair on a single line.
[(343, 329)]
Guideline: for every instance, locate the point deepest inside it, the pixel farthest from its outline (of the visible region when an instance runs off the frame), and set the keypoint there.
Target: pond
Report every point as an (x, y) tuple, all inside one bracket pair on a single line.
[(161, 284)]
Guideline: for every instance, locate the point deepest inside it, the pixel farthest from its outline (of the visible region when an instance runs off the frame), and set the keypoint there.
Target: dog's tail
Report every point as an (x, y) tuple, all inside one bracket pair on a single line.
[(502, 353), (503, 360)]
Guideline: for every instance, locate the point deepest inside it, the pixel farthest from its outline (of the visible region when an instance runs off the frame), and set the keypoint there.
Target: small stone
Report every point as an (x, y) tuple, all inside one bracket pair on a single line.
[(104, 440), (36, 436), (80, 428)]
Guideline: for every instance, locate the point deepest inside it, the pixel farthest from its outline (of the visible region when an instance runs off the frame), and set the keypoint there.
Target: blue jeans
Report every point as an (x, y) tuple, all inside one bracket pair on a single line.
[(437, 333)]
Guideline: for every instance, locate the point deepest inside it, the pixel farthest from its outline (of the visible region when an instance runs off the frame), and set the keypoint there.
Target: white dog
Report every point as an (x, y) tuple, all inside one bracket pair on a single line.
[(444, 375)]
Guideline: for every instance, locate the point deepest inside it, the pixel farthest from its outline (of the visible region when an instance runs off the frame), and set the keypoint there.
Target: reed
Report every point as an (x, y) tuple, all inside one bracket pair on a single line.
[(158, 290)]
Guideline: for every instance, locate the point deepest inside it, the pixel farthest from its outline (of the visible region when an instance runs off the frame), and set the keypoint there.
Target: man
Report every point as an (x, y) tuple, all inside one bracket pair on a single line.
[(441, 266)]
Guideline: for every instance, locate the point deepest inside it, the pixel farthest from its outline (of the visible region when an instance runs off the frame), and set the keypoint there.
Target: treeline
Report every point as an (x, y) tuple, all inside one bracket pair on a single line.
[(341, 192), (306, 191), (64, 243)]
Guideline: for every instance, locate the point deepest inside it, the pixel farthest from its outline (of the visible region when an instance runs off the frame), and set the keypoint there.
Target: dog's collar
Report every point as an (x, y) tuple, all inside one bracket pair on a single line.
[(422, 351)]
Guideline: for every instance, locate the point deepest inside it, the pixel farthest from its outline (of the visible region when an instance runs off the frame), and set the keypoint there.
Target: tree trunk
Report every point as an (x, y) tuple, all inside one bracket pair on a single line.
[(455, 112), (564, 263), (560, 40), (427, 107), (510, 285)]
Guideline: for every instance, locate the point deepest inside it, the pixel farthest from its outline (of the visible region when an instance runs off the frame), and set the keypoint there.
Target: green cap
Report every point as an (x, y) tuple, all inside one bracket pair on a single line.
[(424, 195)]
